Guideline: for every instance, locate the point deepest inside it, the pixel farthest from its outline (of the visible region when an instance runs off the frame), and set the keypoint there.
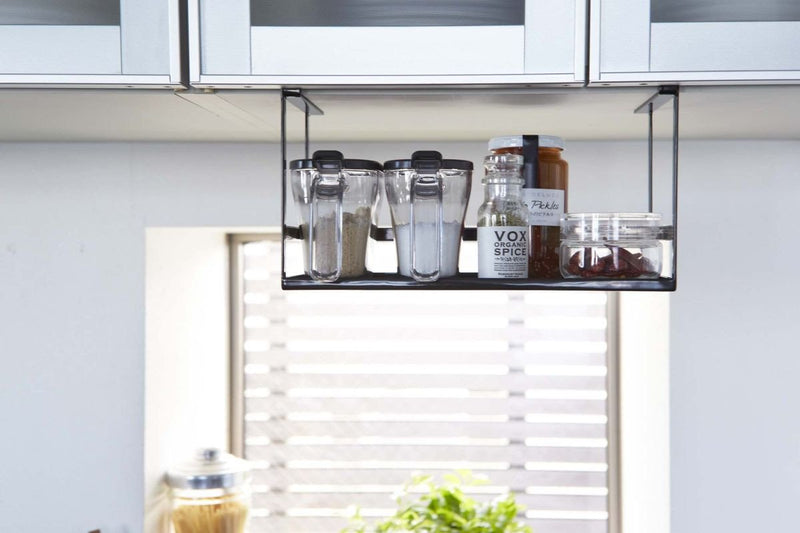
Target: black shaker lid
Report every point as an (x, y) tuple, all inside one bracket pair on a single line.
[(333, 159), (429, 160)]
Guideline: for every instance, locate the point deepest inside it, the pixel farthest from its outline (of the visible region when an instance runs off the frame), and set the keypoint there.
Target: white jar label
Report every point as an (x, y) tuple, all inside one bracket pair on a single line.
[(545, 206), (503, 252)]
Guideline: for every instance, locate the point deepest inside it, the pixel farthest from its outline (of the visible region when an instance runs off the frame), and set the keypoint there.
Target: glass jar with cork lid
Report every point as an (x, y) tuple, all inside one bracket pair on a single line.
[(546, 175)]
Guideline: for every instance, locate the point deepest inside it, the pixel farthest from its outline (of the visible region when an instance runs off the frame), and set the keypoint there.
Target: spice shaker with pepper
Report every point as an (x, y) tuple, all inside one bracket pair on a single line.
[(545, 174), (503, 220), (336, 198)]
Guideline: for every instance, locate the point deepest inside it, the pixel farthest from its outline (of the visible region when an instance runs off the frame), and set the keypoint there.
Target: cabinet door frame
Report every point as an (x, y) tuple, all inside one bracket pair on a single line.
[(197, 77), (171, 78), (642, 36)]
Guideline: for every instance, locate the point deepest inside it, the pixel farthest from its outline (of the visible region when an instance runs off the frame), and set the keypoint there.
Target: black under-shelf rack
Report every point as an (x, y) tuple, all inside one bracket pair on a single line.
[(470, 280)]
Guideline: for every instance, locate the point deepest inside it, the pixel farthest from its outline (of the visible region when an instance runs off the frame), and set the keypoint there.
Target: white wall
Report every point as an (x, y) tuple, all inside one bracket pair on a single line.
[(72, 315), (187, 363), (735, 362), (72, 304)]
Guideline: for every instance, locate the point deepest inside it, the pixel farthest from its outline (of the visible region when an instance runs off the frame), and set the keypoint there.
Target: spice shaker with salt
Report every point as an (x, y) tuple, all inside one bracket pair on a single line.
[(428, 199)]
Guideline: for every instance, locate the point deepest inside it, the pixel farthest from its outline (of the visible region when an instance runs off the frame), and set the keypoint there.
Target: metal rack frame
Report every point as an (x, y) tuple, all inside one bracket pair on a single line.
[(470, 281)]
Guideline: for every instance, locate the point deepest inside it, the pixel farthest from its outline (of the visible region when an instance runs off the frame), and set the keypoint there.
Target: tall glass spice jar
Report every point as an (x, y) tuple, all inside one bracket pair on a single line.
[(503, 220), (546, 177)]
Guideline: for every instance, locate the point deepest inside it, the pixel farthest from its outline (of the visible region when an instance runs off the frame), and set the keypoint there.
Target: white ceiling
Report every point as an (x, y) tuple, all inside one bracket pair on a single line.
[(402, 115)]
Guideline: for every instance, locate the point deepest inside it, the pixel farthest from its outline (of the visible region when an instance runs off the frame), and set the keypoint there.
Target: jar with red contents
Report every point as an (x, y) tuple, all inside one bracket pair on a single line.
[(546, 176)]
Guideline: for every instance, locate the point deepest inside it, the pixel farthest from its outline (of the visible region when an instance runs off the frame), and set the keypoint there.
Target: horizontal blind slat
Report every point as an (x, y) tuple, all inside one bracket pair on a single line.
[(284, 500), (515, 455), (570, 339), (568, 526), (519, 430), (274, 306), (329, 525), (515, 479), (449, 410), (559, 378), (407, 424), (276, 355)]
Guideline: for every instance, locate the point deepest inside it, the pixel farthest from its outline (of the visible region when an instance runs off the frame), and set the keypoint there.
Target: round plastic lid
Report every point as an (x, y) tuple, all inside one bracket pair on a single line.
[(447, 164), (609, 226), (515, 141), (347, 164), (210, 468)]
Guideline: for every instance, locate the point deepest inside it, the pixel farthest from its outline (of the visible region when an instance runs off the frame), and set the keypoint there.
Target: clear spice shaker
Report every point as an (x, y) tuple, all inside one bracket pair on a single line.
[(210, 493), (503, 220), (428, 199), (336, 198)]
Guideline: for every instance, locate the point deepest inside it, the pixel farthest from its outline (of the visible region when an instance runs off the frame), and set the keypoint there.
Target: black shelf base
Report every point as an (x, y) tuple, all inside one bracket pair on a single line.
[(470, 281)]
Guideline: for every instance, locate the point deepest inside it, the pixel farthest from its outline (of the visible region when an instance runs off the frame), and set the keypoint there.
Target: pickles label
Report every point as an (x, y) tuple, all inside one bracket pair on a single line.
[(503, 252), (545, 206)]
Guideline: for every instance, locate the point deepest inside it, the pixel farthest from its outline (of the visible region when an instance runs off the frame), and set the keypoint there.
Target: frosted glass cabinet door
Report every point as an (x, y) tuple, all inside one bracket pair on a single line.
[(276, 42), (89, 42), (694, 41)]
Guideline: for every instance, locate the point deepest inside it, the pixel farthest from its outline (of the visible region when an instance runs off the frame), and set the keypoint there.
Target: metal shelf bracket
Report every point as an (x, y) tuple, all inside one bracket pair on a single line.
[(662, 96), (304, 104)]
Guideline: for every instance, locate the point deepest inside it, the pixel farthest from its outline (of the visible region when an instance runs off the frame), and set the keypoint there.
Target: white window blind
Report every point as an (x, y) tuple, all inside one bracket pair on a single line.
[(349, 393)]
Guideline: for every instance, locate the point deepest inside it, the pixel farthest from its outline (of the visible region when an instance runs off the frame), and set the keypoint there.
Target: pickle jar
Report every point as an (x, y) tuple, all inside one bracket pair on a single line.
[(210, 493), (545, 174)]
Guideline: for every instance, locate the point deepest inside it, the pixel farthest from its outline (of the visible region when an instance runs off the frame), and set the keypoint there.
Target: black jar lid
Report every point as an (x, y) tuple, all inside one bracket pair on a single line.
[(331, 159), (427, 160)]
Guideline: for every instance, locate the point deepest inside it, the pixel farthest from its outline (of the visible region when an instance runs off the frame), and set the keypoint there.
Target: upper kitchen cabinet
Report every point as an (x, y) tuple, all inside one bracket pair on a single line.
[(244, 43), (93, 43), (702, 41)]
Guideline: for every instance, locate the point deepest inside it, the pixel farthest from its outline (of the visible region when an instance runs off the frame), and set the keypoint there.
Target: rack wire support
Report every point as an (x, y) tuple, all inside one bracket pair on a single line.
[(664, 95)]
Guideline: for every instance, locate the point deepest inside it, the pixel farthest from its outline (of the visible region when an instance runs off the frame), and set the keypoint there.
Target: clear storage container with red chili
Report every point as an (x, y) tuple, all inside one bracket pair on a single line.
[(610, 245)]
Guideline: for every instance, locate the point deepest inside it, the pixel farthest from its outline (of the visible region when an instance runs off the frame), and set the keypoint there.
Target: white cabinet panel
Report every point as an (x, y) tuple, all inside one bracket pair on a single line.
[(547, 49), (246, 43), (709, 46), (90, 43), (624, 35), (60, 49), (148, 46), (695, 41), (225, 44), (389, 51)]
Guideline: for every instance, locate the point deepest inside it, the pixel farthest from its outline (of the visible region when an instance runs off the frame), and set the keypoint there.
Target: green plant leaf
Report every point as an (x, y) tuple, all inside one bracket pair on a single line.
[(444, 508)]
